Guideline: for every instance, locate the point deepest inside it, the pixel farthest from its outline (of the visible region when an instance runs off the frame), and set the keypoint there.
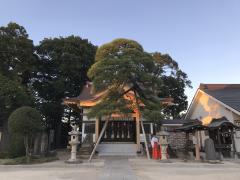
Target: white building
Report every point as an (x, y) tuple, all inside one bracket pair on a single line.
[(216, 101)]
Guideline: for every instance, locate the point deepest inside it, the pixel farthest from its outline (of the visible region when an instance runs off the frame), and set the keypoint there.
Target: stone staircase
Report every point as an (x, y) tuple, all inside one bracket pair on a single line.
[(86, 148), (117, 149)]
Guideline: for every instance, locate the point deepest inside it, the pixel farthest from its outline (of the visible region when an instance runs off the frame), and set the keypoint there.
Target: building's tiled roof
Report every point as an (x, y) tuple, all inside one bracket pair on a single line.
[(87, 94), (172, 121), (218, 122), (228, 94), (192, 125)]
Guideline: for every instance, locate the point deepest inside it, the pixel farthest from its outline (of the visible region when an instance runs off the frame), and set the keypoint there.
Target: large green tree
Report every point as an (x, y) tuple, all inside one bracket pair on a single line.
[(62, 71), (123, 66), (174, 82), (124, 63), (17, 60)]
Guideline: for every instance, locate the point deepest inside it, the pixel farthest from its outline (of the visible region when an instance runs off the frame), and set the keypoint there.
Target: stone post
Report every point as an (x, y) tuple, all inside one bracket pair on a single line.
[(196, 143)]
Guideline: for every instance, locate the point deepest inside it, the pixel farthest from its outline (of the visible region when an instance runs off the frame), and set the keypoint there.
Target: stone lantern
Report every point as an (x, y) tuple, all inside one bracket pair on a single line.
[(74, 142), (163, 142)]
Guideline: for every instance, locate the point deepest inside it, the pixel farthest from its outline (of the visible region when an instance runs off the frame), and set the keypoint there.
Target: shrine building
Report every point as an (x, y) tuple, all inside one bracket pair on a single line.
[(120, 129)]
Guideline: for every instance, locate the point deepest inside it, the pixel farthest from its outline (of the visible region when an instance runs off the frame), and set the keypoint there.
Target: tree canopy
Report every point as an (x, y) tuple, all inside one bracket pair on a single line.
[(122, 66), (47, 73), (17, 59), (125, 67), (62, 71), (25, 121), (174, 82)]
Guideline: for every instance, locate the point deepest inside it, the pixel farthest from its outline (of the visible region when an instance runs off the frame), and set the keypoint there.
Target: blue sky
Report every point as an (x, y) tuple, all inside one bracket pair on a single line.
[(203, 36)]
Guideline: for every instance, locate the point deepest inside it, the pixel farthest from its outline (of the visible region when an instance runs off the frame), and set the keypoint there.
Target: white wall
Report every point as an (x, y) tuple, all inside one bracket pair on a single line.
[(85, 112), (206, 108)]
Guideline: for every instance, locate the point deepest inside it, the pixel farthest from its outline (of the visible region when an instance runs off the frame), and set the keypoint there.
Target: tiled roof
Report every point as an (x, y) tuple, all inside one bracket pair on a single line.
[(228, 94), (172, 121), (218, 122), (87, 94)]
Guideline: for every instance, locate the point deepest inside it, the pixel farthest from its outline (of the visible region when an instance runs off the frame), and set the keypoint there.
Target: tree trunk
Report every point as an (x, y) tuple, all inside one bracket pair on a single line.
[(36, 147), (26, 144), (4, 142), (44, 147), (58, 134)]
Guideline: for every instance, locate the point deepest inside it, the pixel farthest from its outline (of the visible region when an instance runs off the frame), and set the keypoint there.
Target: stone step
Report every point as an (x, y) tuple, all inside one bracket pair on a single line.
[(85, 151), (119, 149), (86, 145)]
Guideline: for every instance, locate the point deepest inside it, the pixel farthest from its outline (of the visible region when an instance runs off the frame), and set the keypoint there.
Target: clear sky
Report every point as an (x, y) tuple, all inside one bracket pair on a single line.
[(203, 36)]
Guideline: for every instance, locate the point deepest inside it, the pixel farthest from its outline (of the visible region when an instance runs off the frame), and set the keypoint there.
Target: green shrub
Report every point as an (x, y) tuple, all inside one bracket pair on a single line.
[(25, 122), (24, 160), (16, 146), (3, 155)]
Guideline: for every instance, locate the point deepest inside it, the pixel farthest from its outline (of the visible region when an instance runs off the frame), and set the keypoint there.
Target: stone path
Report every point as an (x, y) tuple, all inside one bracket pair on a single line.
[(117, 168)]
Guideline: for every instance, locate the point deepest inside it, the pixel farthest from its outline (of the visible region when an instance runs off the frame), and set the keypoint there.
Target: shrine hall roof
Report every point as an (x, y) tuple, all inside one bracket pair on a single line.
[(87, 94)]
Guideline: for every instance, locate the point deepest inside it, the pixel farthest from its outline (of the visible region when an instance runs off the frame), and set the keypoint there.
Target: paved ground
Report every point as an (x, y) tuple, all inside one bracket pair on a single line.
[(123, 169), (185, 171), (117, 169)]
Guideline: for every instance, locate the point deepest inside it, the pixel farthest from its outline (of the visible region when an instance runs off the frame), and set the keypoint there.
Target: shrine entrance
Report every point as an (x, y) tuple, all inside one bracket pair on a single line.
[(119, 131)]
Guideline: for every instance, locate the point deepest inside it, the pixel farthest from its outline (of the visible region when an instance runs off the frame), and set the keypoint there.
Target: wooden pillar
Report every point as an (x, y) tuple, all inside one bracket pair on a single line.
[(97, 129), (201, 140), (233, 144), (219, 143), (138, 133), (186, 146), (197, 151)]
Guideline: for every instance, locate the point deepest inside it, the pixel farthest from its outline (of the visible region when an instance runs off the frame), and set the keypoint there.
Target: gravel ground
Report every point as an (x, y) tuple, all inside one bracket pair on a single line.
[(124, 169)]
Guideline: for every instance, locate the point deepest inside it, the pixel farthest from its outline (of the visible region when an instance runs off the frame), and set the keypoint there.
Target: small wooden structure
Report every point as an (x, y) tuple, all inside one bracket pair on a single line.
[(193, 127), (220, 130)]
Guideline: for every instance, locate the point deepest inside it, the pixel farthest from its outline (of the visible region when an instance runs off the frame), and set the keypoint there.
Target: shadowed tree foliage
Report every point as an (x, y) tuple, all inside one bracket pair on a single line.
[(62, 71), (123, 66), (175, 81), (26, 122), (17, 60)]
